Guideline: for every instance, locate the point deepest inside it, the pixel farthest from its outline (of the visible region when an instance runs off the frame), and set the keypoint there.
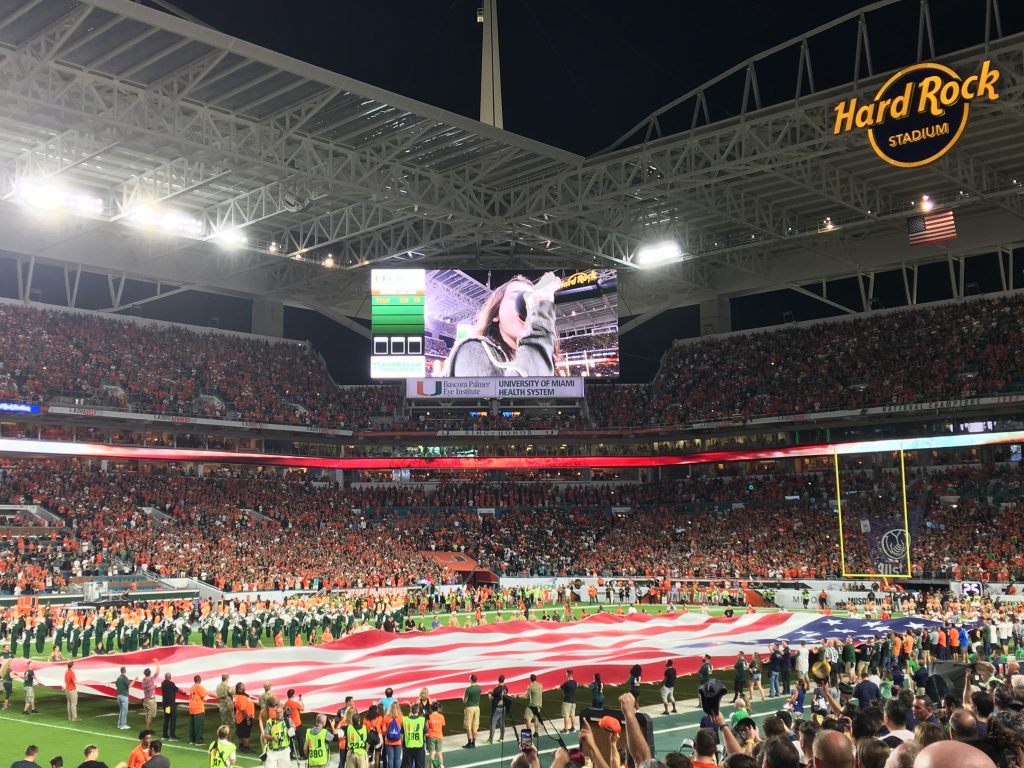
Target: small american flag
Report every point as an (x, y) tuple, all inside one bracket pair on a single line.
[(934, 227)]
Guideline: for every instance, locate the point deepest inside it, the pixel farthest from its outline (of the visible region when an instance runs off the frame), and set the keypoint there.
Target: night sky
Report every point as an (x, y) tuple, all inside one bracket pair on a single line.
[(576, 74)]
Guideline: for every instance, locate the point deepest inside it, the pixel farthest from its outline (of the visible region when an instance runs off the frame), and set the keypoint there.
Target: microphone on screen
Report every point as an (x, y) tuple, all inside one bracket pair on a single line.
[(548, 281), (521, 305)]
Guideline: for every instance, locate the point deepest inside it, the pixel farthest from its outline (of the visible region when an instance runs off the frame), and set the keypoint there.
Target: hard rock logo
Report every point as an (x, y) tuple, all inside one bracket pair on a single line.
[(920, 112)]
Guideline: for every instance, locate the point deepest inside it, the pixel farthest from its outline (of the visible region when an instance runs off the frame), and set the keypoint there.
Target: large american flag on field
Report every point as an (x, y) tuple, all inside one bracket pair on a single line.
[(366, 663), (935, 227)]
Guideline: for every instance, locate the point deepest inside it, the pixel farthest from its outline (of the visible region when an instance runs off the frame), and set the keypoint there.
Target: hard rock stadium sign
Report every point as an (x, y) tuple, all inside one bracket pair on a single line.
[(919, 114)]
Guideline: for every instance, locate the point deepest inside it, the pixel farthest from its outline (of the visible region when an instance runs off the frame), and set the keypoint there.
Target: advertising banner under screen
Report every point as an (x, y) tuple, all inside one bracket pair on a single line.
[(450, 323)]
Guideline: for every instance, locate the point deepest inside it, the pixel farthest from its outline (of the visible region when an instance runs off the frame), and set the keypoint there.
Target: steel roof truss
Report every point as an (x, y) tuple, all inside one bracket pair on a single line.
[(49, 158), (162, 183)]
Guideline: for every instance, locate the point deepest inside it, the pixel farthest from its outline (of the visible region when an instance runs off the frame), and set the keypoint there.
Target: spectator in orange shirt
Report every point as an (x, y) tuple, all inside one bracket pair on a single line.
[(71, 691), (393, 747), (293, 709), (374, 720), (245, 716), (435, 735), (141, 753), (196, 711)]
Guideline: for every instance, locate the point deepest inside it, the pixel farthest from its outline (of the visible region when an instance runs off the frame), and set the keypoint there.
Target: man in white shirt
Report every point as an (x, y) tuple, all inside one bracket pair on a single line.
[(896, 722), (1005, 629), (801, 657)]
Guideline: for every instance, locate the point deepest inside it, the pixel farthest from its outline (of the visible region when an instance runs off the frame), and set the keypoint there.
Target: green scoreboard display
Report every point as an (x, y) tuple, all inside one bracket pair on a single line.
[(397, 316)]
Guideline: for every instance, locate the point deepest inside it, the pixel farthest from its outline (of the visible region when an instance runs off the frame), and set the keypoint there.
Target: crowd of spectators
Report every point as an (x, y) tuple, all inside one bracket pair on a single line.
[(242, 530), (169, 369), (908, 356)]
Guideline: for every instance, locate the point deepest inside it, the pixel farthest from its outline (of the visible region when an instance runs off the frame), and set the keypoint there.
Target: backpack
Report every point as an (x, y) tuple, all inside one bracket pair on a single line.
[(394, 732), (373, 739)]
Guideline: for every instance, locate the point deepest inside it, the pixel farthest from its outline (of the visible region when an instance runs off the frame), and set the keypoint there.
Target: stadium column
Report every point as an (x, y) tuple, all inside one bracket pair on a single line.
[(268, 318), (715, 316)]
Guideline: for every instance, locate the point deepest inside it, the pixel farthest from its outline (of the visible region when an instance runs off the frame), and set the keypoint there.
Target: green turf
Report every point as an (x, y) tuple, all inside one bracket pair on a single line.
[(54, 735)]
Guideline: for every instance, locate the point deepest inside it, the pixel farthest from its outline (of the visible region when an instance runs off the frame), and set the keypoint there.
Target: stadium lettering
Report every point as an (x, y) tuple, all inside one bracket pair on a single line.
[(934, 96), (894, 117), (580, 278), (849, 114), (919, 134)]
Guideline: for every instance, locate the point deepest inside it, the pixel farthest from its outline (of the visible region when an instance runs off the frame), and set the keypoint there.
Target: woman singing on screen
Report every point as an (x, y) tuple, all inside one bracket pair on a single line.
[(514, 333)]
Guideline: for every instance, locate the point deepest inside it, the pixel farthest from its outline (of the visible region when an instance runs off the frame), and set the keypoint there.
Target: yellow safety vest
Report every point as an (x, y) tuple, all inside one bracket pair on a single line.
[(278, 734), (356, 740)]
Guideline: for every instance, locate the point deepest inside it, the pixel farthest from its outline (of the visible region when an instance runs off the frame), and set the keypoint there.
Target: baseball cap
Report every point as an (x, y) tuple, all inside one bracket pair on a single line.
[(610, 724), (746, 722), (711, 694)]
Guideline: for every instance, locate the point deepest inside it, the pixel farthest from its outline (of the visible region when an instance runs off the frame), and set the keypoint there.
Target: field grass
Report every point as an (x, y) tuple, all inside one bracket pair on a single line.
[(50, 730), (54, 735)]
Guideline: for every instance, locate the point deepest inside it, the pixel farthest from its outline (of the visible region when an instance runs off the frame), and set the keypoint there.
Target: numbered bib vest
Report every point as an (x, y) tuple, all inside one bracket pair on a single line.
[(413, 729), (318, 753), (278, 735), (356, 740), (220, 754)]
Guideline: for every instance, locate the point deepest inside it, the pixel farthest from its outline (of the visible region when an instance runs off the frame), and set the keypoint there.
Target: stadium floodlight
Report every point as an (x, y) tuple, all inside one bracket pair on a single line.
[(142, 215), (48, 197), (165, 220), (926, 203), (85, 204), (231, 238), (658, 253), (175, 221), (329, 261)]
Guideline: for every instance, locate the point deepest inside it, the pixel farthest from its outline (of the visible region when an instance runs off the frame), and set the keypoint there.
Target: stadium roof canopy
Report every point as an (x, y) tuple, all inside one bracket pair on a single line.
[(168, 138)]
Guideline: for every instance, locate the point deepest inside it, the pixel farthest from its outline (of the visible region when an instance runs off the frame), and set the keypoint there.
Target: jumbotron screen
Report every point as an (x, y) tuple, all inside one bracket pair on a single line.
[(428, 323)]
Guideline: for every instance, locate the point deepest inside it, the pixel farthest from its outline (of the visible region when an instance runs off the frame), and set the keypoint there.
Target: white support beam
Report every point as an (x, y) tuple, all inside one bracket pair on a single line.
[(162, 183), (340, 319), (71, 291), (238, 142), (258, 205), (352, 221), (54, 156)]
